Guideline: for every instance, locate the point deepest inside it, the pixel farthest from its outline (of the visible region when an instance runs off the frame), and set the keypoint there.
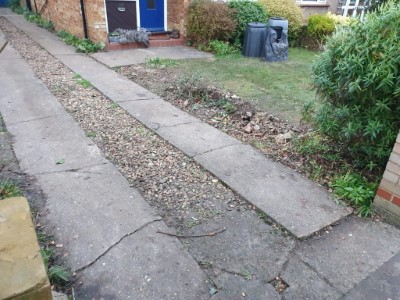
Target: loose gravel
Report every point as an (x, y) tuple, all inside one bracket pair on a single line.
[(183, 193)]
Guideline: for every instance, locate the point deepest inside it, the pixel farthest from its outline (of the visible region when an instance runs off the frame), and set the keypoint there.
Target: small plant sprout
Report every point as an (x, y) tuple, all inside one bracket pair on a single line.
[(8, 189), (82, 82)]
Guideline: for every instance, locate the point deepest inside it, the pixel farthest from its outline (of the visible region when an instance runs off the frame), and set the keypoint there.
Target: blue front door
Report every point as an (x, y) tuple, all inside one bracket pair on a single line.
[(3, 3), (152, 14)]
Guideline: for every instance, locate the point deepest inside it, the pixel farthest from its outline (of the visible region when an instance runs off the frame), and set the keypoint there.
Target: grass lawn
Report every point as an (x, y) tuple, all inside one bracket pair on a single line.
[(281, 88)]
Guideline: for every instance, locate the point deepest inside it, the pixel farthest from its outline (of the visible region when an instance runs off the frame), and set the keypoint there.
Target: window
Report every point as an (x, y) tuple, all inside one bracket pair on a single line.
[(151, 4)]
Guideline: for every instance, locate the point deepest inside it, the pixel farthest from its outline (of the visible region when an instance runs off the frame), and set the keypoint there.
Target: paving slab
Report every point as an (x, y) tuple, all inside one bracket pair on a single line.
[(89, 212), (381, 284), (137, 56), (152, 258), (53, 144), (157, 113), (304, 283), (355, 248), (248, 245), (300, 205), (196, 138), (32, 102), (236, 287)]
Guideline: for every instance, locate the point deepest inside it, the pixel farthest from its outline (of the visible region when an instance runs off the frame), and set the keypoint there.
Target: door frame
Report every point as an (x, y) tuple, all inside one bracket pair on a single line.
[(138, 13)]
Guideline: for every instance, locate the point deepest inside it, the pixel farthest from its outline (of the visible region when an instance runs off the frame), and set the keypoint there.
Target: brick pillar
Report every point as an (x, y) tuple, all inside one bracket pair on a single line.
[(387, 199)]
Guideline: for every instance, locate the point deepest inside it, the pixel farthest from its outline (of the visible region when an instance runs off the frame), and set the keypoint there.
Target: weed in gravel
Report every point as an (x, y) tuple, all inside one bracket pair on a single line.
[(113, 106), (158, 62), (91, 134), (140, 130), (8, 189), (82, 81)]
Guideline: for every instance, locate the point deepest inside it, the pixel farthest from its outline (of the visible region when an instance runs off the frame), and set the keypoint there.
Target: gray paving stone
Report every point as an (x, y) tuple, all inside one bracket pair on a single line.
[(155, 270), (351, 251), (92, 210), (32, 102), (304, 283), (196, 138), (53, 144), (248, 245), (156, 113), (381, 284), (295, 202), (236, 287), (8, 53)]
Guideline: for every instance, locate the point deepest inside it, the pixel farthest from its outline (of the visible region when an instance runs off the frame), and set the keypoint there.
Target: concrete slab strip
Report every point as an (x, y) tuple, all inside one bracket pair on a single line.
[(298, 204), (196, 138), (157, 113)]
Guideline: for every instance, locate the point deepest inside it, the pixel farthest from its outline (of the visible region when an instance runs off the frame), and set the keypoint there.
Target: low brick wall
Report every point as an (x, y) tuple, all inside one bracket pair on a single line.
[(387, 199)]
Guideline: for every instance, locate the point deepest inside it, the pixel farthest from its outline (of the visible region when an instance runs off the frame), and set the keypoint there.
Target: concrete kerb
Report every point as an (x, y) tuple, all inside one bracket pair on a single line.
[(289, 200)]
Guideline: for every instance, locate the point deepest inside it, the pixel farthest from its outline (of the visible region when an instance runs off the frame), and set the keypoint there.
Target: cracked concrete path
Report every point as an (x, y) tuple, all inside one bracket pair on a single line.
[(298, 204), (108, 229)]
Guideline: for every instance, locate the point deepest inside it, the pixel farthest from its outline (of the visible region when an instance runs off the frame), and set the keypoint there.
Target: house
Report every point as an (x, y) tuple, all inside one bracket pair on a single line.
[(312, 7), (94, 19)]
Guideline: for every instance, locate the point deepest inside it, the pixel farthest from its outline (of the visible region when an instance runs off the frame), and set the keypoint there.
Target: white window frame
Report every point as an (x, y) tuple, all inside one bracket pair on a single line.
[(311, 1)]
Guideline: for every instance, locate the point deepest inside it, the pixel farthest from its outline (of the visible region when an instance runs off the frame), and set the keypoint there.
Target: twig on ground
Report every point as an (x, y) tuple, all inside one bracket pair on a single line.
[(192, 236)]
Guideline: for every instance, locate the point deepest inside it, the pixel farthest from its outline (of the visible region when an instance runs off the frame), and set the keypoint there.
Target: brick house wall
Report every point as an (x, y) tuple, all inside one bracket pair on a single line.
[(177, 11), (66, 15), (387, 199), (319, 8)]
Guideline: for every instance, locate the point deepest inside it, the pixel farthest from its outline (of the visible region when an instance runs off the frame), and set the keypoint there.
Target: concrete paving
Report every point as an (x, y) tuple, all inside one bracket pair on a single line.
[(299, 205), (138, 56), (110, 231), (90, 205)]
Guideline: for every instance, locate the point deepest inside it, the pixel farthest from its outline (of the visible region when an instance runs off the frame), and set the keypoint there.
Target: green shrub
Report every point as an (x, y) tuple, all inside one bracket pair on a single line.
[(357, 190), (320, 27), (246, 11), (287, 9), (209, 20), (81, 45), (15, 6), (38, 20), (219, 47), (358, 80)]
